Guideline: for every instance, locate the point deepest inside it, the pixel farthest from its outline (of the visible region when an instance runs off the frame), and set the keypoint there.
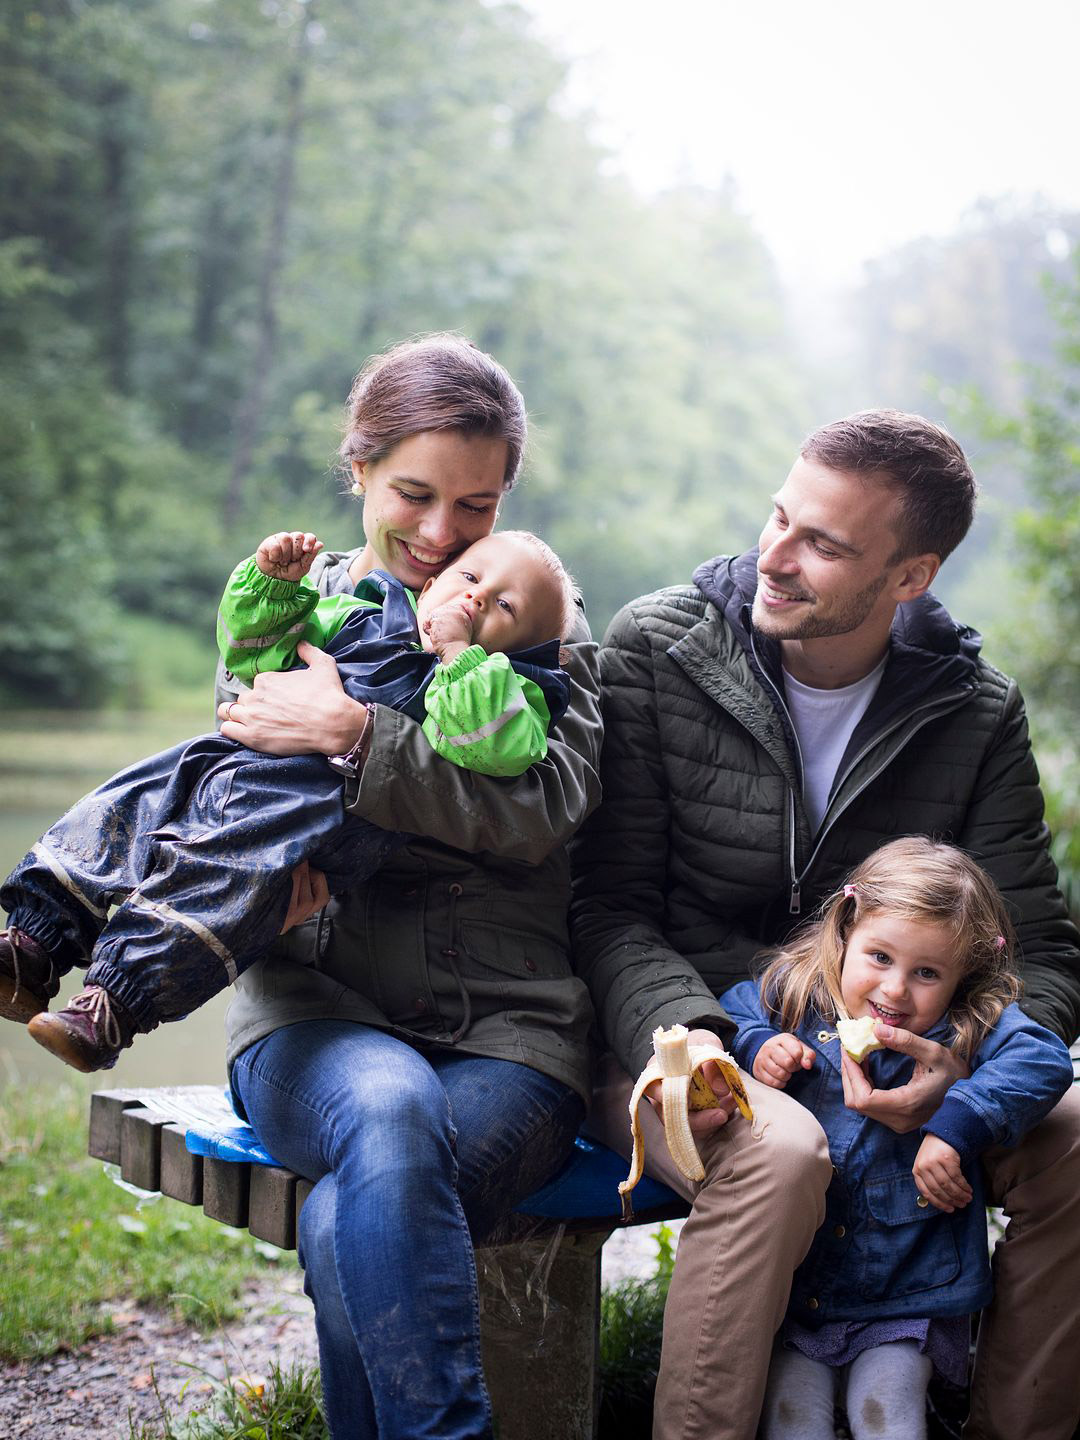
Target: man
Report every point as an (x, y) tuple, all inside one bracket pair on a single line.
[(766, 728)]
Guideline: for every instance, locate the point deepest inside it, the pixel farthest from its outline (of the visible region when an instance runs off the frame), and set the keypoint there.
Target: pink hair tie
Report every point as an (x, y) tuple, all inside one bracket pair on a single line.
[(849, 893), (999, 942)]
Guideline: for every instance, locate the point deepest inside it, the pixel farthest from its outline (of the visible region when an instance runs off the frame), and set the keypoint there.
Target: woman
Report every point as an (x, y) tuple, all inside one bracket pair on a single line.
[(418, 1049)]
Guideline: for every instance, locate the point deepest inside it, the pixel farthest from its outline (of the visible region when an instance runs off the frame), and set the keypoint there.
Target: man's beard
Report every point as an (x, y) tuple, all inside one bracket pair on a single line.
[(810, 626)]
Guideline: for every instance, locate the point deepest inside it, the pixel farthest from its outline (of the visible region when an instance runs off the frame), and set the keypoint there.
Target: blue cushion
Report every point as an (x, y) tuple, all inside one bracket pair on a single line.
[(587, 1186)]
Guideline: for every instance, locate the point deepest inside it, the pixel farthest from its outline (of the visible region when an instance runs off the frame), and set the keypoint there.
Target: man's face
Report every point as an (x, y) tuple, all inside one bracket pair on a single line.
[(824, 565)]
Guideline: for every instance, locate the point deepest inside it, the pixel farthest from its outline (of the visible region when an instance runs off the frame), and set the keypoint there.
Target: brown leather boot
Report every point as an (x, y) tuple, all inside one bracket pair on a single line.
[(27, 978), (89, 1033)]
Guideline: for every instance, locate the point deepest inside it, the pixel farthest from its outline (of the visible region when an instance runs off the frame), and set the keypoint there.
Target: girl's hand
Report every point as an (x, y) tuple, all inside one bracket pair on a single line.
[(288, 555), (908, 1106), (296, 712), (309, 894), (938, 1175), (779, 1058)]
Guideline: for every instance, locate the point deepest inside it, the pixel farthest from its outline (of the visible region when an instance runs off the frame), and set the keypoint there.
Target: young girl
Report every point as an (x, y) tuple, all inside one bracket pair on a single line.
[(918, 939)]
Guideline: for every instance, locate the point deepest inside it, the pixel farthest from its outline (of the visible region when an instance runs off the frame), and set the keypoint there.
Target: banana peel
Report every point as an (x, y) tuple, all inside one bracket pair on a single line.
[(677, 1064)]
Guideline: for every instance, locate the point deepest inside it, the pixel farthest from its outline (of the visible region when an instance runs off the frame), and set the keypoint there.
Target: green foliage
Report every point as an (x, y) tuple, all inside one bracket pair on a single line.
[(631, 1330), (284, 1407), (1043, 442), (214, 215), (70, 1241)]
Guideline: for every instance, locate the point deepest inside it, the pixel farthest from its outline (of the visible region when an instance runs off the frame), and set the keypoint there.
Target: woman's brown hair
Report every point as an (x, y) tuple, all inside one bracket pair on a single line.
[(438, 382), (912, 879)]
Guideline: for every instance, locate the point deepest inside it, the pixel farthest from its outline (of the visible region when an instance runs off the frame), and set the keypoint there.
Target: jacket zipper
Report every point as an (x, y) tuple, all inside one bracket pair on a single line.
[(934, 708)]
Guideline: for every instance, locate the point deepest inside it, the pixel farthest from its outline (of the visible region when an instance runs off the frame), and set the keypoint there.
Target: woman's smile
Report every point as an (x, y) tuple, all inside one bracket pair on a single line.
[(428, 498)]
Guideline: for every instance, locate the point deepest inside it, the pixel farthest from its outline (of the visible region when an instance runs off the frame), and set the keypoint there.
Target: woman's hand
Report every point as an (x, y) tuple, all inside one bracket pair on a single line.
[(938, 1176), (779, 1058), (909, 1106), (296, 712), (310, 893)]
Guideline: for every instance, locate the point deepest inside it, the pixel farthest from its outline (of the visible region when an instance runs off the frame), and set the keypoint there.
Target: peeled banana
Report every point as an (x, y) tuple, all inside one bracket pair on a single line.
[(678, 1064)]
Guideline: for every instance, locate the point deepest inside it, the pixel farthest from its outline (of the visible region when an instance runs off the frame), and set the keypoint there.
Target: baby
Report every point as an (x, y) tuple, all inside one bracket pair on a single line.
[(196, 846)]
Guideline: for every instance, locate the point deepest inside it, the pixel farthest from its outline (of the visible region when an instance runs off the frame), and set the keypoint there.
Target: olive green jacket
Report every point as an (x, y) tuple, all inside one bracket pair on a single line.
[(701, 854), (461, 938)]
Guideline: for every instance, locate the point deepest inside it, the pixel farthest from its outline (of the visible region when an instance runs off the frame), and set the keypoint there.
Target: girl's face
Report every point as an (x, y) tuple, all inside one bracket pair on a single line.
[(902, 972), (432, 495)]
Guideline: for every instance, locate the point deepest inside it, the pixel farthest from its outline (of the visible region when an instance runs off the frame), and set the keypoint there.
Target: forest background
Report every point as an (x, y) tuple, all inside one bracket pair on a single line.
[(211, 211)]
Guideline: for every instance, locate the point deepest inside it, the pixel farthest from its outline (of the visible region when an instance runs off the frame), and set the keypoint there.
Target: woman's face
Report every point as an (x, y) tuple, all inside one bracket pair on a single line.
[(432, 495)]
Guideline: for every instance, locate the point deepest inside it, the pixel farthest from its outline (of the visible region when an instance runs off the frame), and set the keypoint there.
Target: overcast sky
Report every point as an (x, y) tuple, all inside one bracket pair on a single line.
[(848, 126)]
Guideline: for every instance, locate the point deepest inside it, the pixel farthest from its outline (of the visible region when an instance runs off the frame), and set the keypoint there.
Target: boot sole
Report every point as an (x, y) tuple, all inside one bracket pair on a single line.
[(53, 1037), (19, 1003)]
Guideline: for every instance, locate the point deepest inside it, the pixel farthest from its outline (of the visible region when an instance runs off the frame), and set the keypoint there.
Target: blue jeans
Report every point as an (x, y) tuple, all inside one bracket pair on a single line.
[(197, 846), (411, 1152)]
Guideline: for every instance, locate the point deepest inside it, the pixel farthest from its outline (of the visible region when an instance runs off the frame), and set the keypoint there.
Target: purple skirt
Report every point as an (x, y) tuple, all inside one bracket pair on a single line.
[(947, 1341)]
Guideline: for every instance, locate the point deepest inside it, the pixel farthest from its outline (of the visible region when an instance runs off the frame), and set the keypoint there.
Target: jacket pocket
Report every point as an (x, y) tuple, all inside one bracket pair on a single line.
[(513, 952), (910, 1245)]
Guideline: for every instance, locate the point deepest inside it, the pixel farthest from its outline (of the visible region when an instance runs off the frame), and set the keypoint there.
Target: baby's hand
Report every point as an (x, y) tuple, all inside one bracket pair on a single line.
[(448, 627), (288, 555), (779, 1058), (938, 1175)]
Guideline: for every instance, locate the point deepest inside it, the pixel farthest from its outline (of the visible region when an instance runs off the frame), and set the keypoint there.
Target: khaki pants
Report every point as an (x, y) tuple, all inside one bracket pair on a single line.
[(753, 1219)]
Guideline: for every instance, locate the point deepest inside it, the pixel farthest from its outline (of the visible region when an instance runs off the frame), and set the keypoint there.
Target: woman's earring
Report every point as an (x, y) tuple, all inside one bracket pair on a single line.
[(357, 488)]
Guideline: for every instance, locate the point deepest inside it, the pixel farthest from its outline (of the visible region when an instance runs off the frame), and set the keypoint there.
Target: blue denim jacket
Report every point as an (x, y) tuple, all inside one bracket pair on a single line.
[(882, 1250)]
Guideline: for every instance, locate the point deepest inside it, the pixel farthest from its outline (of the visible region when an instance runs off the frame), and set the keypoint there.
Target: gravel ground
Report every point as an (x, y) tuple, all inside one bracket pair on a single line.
[(93, 1390), (105, 1384)]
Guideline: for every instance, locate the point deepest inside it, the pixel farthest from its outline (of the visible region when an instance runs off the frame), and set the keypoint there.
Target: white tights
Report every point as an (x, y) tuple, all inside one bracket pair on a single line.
[(885, 1395)]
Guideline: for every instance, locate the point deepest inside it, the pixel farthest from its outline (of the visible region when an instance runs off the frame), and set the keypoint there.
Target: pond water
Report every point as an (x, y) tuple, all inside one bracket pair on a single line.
[(47, 761)]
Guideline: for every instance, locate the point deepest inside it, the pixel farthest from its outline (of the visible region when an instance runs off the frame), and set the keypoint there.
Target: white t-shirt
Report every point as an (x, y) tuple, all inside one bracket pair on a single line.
[(824, 721)]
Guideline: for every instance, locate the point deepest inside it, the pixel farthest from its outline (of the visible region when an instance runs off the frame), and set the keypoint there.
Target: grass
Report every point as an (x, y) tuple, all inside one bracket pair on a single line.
[(286, 1406), (72, 1243), (283, 1407)]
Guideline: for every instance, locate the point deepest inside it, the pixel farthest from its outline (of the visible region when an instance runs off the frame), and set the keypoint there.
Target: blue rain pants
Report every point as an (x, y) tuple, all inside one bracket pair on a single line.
[(195, 847)]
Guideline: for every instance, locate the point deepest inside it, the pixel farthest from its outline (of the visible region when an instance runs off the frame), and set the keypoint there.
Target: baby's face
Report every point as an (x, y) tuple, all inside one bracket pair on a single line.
[(511, 598), (902, 972)]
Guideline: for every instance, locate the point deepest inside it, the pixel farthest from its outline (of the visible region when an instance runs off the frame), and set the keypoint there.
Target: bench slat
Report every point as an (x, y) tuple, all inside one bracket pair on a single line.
[(225, 1191)]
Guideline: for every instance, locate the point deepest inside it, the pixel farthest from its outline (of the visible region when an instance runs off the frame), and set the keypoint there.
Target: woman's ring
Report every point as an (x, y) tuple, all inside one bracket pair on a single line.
[(228, 712)]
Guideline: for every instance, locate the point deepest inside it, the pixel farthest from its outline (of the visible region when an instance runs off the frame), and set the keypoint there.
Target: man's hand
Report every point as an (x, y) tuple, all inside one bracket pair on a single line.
[(450, 629), (939, 1177), (702, 1122), (309, 894), (909, 1106), (779, 1058), (288, 555), (296, 712)]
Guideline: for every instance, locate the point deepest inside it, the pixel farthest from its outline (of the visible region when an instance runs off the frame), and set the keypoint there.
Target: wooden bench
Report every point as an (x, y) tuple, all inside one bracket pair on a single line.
[(539, 1286)]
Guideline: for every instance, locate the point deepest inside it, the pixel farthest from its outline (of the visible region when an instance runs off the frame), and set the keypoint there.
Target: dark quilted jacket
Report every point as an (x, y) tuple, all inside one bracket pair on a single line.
[(701, 854)]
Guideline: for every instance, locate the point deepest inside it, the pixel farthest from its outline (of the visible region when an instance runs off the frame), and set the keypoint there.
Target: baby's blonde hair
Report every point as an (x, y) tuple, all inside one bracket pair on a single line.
[(911, 879)]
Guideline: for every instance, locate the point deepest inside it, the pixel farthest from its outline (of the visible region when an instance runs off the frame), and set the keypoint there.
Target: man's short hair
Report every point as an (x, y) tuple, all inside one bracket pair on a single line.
[(916, 458)]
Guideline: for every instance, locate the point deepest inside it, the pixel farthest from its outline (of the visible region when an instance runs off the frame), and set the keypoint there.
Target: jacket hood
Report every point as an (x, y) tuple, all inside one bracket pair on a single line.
[(928, 649)]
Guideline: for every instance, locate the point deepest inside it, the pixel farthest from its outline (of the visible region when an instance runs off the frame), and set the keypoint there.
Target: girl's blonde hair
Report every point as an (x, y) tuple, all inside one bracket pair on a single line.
[(912, 879)]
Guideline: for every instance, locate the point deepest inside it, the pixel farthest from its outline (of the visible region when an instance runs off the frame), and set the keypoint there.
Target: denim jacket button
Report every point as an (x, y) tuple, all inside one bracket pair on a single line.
[(811, 1304), (922, 1202), (840, 1231), (824, 1035)]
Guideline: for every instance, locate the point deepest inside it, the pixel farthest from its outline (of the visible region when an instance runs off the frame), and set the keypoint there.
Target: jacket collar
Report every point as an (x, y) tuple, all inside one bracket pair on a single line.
[(928, 650)]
